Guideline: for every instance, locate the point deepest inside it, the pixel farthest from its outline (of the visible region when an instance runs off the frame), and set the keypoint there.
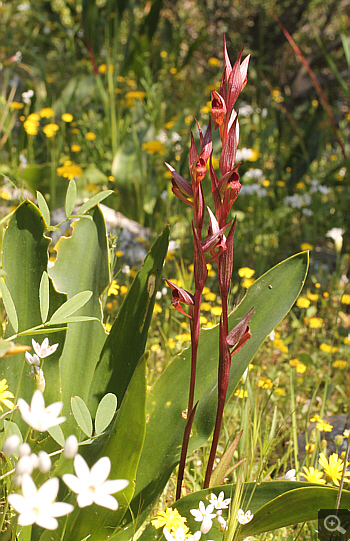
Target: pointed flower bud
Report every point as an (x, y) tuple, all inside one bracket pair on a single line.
[(240, 334), (218, 109), (180, 295)]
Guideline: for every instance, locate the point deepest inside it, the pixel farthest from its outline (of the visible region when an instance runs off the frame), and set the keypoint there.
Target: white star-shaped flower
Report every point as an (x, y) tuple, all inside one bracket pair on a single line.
[(37, 506), (92, 485), (44, 350), (244, 518), (39, 417), (218, 501), (33, 360), (204, 515)]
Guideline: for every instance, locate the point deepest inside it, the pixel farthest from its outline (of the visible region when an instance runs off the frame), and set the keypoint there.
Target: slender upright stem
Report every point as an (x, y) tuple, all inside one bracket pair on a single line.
[(194, 348)]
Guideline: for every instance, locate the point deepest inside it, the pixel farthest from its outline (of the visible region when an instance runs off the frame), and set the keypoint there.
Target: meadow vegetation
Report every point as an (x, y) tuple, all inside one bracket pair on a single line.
[(95, 97)]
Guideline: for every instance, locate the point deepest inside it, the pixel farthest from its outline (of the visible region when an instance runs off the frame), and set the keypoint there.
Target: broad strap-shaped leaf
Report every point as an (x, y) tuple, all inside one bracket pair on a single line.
[(25, 256), (81, 266), (272, 296), (127, 339), (123, 447)]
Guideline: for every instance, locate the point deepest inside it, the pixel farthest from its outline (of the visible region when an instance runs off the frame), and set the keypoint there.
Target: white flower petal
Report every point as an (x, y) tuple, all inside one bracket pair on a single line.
[(59, 509), (111, 486), (100, 471), (105, 500), (49, 490), (73, 483), (81, 468), (47, 522), (18, 502), (26, 518), (84, 499)]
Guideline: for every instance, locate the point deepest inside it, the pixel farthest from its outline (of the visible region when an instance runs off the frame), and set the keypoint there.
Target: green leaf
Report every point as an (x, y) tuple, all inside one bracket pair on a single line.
[(218, 475), (57, 434), (94, 201), (127, 339), (9, 305), (71, 197), (71, 306), (105, 412), (299, 505), (123, 447), (72, 319), (44, 296), (25, 256), (82, 265), (272, 296), (82, 415), (43, 207)]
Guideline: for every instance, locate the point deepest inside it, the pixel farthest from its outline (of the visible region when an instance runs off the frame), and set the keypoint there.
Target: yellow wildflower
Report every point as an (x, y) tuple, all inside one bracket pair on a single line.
[(302, 302), (153, 147), (339, 364), (5, 395), (253, 158), (281, 183), (75, 148), (123, 290), (183, 337), (119, 253), (90, 136), (306, 246), (50, 130), (241, 393), (171, 343), (277, 96), (280, 391), (210, 296), (67, 117), (15, 105), (265, 383), (323, 426), (315, 322), (135, 95), (69, 170), (214, 62), (326, 294), (333, 468), (113, 289), (173, 71), (216, 311), (312, 296), (247, 282), (31, 124), (328, 349), (345, 299), (163, 54), (157, 308), (294, 362), (313, 476), (246, 272), (46, 112), (75, 130), (279, 344), (309, 448), (300, 368), (169, 125), (315, 418), (170, 519)]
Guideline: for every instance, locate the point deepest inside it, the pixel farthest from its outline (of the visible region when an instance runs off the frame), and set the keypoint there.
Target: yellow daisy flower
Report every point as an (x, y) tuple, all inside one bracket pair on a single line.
[(4, 395)]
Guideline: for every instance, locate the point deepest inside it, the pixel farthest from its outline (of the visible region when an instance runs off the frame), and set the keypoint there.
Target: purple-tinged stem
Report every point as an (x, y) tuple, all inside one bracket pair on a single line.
[(190, 409)]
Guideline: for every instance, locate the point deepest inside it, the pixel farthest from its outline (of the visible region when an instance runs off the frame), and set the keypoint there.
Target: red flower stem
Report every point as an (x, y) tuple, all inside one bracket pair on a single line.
[(194, 348), (223, 379)]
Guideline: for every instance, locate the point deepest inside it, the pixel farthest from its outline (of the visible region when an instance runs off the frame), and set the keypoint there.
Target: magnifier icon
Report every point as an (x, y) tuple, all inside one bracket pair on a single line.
[(332, 524)]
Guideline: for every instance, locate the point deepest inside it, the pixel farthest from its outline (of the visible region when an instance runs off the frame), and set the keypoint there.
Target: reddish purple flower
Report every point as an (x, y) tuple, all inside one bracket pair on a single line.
[(180, 295)]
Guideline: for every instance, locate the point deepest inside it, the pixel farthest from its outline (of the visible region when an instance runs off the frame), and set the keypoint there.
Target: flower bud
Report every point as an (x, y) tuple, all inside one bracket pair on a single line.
[(323, 445), (338, 440), (44, 462), (24, 465), (11, 444), (290, 475), (35, 460), (24, 449), (222, 523), (40, 380), (71, 446)]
